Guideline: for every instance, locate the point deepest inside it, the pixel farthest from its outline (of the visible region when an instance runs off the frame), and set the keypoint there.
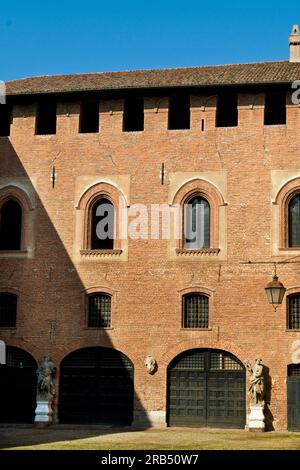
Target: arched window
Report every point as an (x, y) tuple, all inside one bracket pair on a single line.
[(99, 310), (197, 223), (8, 310), (102, 225), (10, 225), (294, 221), (293, 314), (195, 311)]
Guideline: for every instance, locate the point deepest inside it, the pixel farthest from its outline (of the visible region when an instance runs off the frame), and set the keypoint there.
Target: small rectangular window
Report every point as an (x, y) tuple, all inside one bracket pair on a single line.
[(5, 119), (275, 108), (179, 112), (8, 310), (133, 115), (46, 118), (89, 117), (227, 110), (294, 312), (99, 314), (195, 311)]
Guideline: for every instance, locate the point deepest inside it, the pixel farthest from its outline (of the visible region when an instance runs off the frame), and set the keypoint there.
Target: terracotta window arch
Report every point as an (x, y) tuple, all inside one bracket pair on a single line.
[(288, 200), (199, 201), (101, 205), (14, 219)]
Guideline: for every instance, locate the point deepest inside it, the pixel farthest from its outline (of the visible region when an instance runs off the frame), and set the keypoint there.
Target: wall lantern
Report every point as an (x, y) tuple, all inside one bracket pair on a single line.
[(275, 291)]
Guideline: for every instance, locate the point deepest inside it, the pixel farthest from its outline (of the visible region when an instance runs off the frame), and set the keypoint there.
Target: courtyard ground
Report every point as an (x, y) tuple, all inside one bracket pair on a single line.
[(79, 438)]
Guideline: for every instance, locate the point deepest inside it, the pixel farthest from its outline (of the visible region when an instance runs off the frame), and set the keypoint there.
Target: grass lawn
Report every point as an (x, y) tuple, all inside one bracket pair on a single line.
[(150, 439)]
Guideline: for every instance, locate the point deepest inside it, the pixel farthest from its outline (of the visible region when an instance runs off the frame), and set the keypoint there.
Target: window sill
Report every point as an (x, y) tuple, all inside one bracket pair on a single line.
[(13, 254), (201, 252), (290, 248), (196, 329), (98, 328), (100, 253), (292, 331), (13, 328)]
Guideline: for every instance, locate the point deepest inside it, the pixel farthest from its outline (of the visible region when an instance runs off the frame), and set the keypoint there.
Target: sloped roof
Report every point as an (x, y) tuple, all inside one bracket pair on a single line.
[(238, 74)]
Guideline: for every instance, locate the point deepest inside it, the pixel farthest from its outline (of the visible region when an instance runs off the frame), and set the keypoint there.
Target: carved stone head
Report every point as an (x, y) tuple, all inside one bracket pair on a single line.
[(151, 365)]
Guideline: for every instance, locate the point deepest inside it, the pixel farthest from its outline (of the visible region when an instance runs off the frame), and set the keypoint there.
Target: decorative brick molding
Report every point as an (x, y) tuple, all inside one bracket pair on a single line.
[(201, 188), (17, 194), (283, 199), (86, 202)]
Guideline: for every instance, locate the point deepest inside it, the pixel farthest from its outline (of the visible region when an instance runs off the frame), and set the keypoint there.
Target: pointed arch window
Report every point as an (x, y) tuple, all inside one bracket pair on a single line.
[(294, 222), (197, 223), (102, 225)]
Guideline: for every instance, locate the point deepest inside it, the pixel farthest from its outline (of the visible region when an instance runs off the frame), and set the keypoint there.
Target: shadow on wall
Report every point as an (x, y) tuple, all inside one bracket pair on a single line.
[(269, 418), (51, 319)]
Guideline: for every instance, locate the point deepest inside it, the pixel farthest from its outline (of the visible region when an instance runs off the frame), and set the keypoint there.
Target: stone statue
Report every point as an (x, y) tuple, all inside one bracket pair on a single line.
[(257, 382), (45, 385), (151, 365)]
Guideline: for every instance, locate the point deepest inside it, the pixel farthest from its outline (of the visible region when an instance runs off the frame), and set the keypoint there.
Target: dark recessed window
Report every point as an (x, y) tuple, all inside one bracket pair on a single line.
[(133, 115), (102, 225), (99, 311), (10, 225), (227, 110), (293, 320), (195, 311), (8, 310), (275, 108), (46, 118), (294, 221), (5, 119), (179, 112), (197, 224), (89, 117)]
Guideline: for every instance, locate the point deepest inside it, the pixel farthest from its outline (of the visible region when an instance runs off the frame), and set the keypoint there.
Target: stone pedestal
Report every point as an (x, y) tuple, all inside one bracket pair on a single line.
[(43, 413), (256, 420)]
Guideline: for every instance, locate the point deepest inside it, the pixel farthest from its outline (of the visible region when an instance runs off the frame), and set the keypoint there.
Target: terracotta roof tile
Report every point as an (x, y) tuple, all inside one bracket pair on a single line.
[(243, 74)]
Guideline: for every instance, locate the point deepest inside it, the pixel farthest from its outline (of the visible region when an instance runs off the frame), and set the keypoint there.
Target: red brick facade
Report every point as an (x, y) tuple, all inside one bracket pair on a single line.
[(243, 170)]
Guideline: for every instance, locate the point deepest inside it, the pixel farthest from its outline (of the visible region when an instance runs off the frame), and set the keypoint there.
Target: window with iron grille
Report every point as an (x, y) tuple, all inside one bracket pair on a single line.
[(294, 312), (294, 222), (195, 311), (99, 313), (8, 310)]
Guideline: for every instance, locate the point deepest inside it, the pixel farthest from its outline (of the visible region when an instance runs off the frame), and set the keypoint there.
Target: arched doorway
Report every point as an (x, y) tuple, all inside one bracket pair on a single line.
[(293, 397), (96, 387), (17, 387), (206, 388)]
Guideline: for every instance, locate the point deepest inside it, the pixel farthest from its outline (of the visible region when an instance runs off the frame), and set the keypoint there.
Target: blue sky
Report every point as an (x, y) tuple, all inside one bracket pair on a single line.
[(42, 38)]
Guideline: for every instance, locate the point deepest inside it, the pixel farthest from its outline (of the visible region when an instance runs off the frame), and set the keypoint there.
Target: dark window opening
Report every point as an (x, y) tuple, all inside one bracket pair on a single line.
[(293, 321), (5, 120), (10, 225), (275, 108), (89, 117), (294, 222), (227, 110), (46, 118), (102, 226), (195, 311), (197, 224), (99, 315), (179, 112), (8, 310), (133, 115)]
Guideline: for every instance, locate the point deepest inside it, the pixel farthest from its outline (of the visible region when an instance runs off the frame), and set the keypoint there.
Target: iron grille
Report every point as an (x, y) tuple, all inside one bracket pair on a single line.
[(8, 310), (99, 311), (195, 312), (97, 357), (294, 313), (219, 361), (195, 360), (16, 357), (294, 370)]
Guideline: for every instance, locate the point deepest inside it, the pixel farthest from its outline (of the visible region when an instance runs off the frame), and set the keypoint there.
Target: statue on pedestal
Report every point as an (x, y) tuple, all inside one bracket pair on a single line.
[(45, 385), (257, 382)]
